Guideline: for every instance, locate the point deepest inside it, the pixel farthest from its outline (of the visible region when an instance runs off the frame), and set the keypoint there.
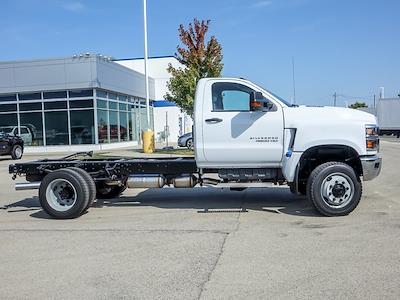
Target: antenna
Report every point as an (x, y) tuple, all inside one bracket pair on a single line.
[(294, 82)]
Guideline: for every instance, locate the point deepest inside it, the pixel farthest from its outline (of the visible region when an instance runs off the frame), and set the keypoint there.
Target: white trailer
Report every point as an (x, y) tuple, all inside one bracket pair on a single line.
[(388, 114)]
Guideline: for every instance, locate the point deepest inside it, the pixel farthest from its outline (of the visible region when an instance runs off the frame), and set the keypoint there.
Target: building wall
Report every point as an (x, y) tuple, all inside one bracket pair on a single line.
[(178, 122), (157, 69), (81, 101)]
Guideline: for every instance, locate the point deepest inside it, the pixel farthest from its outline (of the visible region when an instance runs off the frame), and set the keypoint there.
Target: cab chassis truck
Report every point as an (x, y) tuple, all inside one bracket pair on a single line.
[(247, 136)]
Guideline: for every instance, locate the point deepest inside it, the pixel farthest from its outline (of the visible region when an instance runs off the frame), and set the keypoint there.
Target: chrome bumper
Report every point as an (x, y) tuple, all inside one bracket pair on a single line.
[(371, 166)]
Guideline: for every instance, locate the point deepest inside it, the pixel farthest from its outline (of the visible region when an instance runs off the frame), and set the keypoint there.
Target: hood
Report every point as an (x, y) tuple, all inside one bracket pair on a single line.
[(325, 114), (328, 126)]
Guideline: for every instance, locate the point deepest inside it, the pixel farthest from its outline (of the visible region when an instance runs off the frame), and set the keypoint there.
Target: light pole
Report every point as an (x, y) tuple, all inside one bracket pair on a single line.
[(145, 64), (147, 134)]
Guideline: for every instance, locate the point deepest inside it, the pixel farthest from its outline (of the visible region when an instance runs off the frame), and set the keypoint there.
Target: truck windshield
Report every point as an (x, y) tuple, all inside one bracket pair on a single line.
[(281, 99)]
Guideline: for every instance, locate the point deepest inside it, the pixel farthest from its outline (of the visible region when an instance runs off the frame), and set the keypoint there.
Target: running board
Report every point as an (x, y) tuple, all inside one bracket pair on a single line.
[(240, 184)]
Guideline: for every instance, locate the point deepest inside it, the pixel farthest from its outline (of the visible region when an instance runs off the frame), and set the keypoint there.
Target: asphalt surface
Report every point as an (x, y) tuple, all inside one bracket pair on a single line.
[(204, 243)]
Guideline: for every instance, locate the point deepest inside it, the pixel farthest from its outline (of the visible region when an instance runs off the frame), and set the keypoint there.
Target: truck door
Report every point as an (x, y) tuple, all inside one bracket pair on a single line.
[(235, 136)]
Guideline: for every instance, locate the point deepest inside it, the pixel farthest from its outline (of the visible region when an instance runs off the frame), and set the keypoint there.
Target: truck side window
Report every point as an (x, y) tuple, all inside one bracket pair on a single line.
[(228, 96)]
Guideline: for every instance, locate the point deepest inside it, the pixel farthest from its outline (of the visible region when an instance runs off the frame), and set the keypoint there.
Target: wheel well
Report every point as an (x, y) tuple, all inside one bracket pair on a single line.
[(318, 155)]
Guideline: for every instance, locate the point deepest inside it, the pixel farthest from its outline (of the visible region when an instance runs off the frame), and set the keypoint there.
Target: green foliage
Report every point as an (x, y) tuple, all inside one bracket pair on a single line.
[(200, 60), (358, 105)]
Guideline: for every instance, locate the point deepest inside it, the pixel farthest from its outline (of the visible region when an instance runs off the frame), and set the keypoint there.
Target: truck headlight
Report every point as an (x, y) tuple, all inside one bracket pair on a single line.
[(372, 137)]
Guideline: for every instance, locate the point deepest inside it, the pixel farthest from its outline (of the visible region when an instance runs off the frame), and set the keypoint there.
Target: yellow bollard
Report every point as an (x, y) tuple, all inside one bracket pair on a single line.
[(148, 141)]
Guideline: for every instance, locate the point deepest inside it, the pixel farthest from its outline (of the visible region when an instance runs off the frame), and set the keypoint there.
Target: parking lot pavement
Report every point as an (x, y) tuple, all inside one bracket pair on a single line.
[(204, 244)]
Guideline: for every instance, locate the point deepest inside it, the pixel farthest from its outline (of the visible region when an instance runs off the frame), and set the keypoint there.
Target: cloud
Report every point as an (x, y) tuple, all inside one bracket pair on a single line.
[(262, 3), (75, 6)]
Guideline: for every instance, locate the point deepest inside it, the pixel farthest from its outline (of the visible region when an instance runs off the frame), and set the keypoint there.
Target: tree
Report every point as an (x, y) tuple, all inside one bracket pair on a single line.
[(199, 60), (358, 105)]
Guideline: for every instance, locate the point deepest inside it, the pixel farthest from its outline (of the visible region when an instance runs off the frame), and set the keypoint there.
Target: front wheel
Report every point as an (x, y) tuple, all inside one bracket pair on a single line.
[(189, 143), (334, 189), (16, 152)]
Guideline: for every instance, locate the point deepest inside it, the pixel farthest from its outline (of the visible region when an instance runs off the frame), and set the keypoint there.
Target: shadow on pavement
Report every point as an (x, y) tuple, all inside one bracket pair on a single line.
[(210, 200)]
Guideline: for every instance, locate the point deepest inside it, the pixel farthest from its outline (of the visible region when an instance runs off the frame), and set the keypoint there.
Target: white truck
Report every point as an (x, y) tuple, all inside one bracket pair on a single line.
[(244, 136)]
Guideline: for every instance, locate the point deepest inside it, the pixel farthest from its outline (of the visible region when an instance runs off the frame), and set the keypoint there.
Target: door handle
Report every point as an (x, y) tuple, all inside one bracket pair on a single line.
[(213, 120)]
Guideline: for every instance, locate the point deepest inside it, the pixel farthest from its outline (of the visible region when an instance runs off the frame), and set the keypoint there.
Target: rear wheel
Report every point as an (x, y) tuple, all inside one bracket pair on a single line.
[(16, 152), (334, 189), (64, 194), (91, 184)]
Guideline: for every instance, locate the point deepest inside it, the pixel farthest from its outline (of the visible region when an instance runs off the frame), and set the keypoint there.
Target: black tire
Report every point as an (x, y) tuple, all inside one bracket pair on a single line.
[(348, 191), (189, 143), (109, 192), (76, 184), (17, 151), (91, 185)]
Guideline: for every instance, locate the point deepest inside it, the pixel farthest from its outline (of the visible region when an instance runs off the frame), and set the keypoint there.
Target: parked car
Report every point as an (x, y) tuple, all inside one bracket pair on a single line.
[(25, 133), (186, 140), (11, 145)]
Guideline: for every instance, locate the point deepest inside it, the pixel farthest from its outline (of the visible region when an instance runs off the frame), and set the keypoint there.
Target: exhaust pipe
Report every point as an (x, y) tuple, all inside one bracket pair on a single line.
[(27, 186), (146, 181), (158, 181), (185, 181)]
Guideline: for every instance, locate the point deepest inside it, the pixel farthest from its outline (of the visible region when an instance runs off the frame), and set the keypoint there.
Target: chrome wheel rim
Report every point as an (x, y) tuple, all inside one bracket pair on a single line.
[(18, 152), (61, 195), (190, 144), (337, 190)]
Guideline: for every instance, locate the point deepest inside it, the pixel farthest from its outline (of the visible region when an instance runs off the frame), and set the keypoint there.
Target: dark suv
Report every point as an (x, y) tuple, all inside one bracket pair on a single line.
[(11, 145)]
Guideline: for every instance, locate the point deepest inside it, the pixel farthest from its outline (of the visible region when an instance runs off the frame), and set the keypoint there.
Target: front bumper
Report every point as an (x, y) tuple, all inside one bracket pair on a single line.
[(371, 166), (182, 143)]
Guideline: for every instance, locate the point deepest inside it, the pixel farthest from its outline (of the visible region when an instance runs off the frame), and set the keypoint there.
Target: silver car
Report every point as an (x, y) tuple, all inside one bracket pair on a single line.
[(186, 140)]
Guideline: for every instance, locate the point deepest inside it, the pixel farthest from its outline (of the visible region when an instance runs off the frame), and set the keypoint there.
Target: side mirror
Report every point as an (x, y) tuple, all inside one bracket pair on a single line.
[(259, 103)]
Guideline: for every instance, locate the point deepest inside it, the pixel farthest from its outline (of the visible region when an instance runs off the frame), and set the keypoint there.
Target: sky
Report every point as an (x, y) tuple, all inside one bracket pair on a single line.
[(350, 47)]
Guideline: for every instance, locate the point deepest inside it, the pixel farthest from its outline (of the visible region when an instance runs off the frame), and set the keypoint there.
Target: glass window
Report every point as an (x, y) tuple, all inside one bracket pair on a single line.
[(123, 127), (11, 97), (81, 104), (30, 96), (143, 120), (230, 97), (101, 94), (24, 130), (8, 107), (30, 106), (112, 96), (8, 123), (56, 128), (112, 105), (82, 127), (55, 95), (34, 123), (123, 98), (80, 93), (123, 106), (102, 126), (101, 103), (55, 105), (134, 126), (113, 117)]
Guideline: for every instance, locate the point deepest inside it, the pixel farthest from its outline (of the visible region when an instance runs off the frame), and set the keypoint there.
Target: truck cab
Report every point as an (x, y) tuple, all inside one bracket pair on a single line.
[(248, 133)]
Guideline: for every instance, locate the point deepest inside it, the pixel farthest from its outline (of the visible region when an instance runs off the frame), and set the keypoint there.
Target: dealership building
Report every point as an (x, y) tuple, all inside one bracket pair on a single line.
[(86, 102)]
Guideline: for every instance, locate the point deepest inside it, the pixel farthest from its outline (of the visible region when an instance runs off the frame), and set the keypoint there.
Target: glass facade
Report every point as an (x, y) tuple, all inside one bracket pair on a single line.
[(73, 117)]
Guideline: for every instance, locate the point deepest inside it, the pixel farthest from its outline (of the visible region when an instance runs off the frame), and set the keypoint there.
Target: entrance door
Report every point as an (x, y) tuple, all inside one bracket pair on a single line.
[(235, 136)]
